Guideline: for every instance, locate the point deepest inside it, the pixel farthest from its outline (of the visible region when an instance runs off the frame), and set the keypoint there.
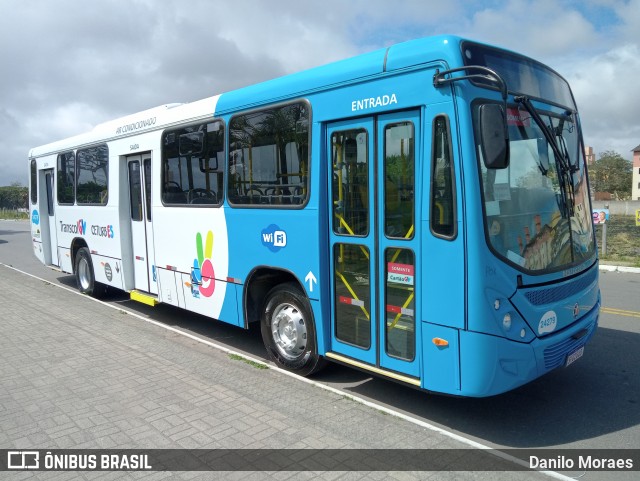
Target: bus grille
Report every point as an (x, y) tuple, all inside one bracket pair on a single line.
[(555, 355), (555, 294)]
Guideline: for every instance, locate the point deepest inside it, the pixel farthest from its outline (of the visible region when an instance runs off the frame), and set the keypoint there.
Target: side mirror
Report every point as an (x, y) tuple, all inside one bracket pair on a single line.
[(494, 138)]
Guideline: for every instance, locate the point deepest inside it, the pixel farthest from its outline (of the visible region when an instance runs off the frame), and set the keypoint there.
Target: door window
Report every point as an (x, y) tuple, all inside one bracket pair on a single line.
[(147, 186), (400, 322), (135, 191), (49, 181), (350, 184), (399, 180), (353, 298)]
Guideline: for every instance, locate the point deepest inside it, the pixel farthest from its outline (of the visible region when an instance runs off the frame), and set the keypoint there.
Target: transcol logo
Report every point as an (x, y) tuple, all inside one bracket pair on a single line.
[(79, 227), (274, 238)]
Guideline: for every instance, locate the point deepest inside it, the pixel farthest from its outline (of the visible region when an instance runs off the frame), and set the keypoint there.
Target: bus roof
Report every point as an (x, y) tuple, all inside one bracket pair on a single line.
[(445, 48)]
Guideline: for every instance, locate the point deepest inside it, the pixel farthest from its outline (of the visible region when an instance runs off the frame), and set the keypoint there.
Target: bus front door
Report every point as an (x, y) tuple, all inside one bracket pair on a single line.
[(51, 241), (139, 167), (374, 243)]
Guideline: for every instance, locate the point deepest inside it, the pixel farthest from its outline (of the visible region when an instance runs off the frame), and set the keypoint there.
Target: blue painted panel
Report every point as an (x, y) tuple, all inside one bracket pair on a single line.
[(420, 51), (286, 239), (443, 261), (552, 308), (230, 311), (441, 50), (441, 363), (302, 83), (491, 365)]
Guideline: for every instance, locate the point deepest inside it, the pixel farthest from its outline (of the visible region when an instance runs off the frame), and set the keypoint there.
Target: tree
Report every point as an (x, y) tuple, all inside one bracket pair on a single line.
[(611, 173), (14, 196)]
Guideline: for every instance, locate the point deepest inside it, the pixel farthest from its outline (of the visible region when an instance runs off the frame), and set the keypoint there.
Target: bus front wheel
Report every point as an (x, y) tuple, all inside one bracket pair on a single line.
[(288, 330)]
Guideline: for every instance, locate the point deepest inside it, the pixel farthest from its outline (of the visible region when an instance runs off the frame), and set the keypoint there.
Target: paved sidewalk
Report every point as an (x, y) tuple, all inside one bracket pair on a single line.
[(613, 268), (75, 373)]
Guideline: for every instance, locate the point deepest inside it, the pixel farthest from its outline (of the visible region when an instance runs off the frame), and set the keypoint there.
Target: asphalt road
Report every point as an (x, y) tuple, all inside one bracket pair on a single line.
[(595, 403)]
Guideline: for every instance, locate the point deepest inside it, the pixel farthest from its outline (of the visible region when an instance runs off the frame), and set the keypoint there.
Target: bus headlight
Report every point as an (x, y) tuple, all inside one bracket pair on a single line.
[(506, 321)]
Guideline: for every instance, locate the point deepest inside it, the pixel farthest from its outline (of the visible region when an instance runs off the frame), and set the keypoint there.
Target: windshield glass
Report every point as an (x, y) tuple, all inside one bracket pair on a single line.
[(525, 220), (521, 74)]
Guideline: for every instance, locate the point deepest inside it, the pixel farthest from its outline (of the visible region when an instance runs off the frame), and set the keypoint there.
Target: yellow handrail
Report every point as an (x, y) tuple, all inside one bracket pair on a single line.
[(353, 294)]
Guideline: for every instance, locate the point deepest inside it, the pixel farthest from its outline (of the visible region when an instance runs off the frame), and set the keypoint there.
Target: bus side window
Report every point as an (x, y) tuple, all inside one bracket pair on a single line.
[(443, 195), (269, 157), (66, 178), (92, 176), (193, 165)]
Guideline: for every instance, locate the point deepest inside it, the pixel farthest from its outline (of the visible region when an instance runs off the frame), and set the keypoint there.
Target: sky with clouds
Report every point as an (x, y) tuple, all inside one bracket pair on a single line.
[(68, 65)]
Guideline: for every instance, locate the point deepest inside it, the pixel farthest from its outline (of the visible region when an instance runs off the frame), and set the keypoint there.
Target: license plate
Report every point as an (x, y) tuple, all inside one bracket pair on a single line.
[(574, 356)]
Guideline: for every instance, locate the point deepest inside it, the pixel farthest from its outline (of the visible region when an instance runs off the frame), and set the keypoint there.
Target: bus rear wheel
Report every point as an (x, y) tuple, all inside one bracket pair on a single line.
[(288, 331), (85, 277)]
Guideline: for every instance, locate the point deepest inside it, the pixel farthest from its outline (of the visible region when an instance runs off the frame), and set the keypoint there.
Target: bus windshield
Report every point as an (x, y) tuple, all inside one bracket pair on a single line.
[(521, 74), (530, 220)]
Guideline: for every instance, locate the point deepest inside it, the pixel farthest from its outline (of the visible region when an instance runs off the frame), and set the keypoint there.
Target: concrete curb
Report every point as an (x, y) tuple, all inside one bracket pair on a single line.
[(608, 268)]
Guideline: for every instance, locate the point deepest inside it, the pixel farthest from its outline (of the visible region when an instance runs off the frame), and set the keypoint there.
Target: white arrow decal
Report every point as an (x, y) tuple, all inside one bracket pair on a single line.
[(310, 279)]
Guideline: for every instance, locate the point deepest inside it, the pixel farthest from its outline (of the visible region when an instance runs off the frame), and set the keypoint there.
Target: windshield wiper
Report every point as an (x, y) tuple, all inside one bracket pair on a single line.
[(561, 154), (548, 135), (573, 168)]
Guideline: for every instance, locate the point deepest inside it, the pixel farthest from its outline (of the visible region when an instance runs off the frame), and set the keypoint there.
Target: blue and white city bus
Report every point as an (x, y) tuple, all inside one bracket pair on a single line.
[(421, 212)]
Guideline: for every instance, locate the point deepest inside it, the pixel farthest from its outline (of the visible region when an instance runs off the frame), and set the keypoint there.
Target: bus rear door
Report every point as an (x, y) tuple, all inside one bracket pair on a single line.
[(139, 167), (374, 243)]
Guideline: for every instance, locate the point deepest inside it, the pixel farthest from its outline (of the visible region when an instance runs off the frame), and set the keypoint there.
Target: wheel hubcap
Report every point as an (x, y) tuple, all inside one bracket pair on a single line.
[(289, 331), (83, 274)]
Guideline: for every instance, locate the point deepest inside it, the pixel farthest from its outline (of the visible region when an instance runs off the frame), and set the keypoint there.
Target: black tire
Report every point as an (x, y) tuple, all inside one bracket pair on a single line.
[(288, 330), (85, 277)]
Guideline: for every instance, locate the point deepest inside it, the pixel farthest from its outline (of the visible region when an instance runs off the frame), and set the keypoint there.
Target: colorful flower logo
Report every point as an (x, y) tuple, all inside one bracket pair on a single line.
[(202, 274)]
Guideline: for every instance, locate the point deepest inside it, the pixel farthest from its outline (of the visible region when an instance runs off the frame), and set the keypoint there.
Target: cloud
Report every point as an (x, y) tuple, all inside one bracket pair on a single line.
[(73, 64), (539, 28), (607, 91), (629, 14)]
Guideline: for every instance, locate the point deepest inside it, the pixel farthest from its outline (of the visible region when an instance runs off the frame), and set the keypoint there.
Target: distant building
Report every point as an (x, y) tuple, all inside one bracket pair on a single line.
[(635, 182), (589, 155)]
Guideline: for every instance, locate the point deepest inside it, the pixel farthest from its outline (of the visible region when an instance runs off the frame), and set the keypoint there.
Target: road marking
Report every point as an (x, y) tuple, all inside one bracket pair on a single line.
[(619, 312), (378, 407)]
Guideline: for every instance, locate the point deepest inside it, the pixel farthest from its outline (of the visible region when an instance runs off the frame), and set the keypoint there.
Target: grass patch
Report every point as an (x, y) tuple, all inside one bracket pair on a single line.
[(8, 214), (257, 365), (623, 245)]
